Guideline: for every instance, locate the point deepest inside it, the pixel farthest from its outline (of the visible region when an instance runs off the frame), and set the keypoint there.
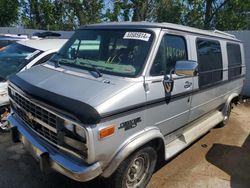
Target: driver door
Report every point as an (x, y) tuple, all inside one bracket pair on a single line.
[(168, 110)]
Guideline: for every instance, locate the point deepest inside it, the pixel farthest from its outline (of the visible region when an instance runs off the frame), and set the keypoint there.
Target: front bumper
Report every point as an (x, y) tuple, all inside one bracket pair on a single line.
[(50, 157)]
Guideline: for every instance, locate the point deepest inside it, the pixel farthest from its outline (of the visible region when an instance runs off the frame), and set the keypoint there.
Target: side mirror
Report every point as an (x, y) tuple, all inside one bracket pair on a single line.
[(186, 68), (182, 68)]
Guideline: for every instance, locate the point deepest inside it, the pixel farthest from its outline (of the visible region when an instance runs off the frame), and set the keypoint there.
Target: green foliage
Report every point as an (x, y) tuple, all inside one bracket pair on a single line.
[(82, 12), (70, 14), (234, 16), (206, 14), (8, 12), (143, 10), (42, 14), (170, 11), (59, 14), (193, 13)]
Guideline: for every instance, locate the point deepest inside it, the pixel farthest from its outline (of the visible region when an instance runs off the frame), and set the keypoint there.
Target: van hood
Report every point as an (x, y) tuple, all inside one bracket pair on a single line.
[(72, 92)]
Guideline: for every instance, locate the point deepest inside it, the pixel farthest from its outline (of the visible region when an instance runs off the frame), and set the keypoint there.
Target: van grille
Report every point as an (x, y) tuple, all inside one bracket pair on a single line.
[(39, 119)]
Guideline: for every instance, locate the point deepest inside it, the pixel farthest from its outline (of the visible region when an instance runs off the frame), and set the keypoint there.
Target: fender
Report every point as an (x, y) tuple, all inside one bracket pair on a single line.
[(229, 100), (131, 145)]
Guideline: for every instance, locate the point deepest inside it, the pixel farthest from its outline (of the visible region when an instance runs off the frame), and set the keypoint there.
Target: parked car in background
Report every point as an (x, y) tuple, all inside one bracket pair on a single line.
[(6, 39), (20, 56), (117, 97)]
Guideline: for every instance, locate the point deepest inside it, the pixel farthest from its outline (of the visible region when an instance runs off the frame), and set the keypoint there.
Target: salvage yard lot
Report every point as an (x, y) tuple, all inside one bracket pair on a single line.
[(221, 158)]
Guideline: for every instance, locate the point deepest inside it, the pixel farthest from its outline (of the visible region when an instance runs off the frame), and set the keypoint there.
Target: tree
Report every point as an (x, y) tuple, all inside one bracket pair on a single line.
[(209, 14), (235, 15), (143, 10), (69, 14), (193, 13), (8, 12), (121, 11), (169, 11), (131, 10), (42, 14), (81, 12), (56, 14)]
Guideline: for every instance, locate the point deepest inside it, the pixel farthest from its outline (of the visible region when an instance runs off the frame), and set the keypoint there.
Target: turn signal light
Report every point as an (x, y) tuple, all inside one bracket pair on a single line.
[(103, 133)]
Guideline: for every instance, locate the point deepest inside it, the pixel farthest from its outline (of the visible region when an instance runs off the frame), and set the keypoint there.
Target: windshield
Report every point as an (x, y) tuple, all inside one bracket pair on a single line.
[(14, 57), (116, 52)]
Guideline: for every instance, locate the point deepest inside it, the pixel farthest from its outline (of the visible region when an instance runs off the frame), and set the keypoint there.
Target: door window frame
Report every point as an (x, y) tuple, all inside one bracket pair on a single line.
[(163, 34)]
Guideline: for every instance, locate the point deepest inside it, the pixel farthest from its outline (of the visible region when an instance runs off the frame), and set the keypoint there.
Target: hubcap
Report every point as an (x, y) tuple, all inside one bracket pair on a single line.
[(138, 170)]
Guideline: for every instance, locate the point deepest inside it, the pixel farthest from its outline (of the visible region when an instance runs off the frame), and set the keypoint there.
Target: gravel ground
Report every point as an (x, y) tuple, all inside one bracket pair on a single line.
[(221, 158)]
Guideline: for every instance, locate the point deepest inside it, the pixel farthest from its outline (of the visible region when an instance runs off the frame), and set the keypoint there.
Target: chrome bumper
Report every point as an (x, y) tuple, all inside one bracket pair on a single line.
[(49, 157)]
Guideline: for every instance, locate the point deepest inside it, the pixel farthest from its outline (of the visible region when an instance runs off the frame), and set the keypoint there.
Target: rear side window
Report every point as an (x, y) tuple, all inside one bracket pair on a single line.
[(234, 60), (172, 49), (210, 62)]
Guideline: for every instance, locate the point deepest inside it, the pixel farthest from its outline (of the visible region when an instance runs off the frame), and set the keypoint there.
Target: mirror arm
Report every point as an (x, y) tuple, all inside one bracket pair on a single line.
[(171, 73)]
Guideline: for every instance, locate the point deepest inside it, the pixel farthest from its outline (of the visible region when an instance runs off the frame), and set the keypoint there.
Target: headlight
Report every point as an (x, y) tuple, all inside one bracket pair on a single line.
[(3, 93), (75, 137), (76, 130), (80, 132)]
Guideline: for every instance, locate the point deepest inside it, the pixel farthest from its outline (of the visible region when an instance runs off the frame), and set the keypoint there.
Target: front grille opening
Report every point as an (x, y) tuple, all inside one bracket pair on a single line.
[(45, 123), (36, 111), (45, 132)]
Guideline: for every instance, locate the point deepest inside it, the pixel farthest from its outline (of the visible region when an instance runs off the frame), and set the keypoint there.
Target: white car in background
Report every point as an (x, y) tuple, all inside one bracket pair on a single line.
[(7, 39), (20, 56)]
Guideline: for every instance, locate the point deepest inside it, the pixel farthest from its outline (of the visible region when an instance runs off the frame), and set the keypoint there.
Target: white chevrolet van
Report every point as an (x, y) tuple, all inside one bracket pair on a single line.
[(120, 96)]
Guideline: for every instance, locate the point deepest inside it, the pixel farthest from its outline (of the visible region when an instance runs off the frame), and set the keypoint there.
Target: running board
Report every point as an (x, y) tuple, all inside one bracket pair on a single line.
[(189, 135)]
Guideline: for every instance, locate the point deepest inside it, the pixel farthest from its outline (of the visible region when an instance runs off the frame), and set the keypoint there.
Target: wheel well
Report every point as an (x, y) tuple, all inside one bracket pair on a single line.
[(158, 145), (235, 100)]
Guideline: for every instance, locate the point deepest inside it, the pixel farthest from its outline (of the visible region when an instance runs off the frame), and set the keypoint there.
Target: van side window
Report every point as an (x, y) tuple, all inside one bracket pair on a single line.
[(210, 62), (234, 60), (171, 49)]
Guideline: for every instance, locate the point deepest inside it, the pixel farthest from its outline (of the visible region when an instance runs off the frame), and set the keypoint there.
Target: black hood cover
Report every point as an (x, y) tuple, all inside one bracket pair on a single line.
[(79, 110)]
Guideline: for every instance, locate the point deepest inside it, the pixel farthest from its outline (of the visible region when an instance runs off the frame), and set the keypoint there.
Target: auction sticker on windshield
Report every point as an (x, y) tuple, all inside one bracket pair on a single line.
[(137, 36)]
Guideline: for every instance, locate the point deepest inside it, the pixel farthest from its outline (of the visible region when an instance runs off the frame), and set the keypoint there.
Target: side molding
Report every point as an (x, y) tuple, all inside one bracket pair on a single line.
[(131, 145)]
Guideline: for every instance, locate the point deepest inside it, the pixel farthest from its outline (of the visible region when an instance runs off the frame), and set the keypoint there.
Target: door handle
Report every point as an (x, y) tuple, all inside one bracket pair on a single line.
[(187, 84)]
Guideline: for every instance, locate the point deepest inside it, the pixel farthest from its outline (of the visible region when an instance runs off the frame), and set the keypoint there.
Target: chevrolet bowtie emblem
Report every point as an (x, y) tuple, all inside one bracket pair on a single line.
[(30, 116)]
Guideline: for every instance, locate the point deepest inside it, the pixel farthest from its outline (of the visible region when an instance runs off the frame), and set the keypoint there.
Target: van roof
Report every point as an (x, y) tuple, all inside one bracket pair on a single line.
[(44, 44), (144, 24)]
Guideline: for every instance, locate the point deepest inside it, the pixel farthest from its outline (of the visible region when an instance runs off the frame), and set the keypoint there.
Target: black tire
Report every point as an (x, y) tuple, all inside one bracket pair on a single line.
[(125, 174)]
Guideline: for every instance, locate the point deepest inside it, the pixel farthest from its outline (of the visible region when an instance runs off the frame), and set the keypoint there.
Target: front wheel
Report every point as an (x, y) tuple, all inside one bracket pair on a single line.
[(136, 170)]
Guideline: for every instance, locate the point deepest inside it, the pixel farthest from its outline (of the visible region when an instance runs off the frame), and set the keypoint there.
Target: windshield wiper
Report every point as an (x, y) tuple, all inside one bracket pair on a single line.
[(97, 71), (99, 74)]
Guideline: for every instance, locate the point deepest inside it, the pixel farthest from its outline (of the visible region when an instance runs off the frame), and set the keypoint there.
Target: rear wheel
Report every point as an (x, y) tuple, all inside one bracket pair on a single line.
[(136, 170)]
